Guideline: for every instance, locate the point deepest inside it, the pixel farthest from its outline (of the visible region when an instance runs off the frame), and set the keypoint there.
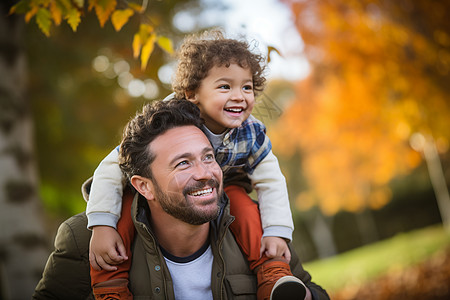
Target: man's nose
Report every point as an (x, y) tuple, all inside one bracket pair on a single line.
[(202, 171)]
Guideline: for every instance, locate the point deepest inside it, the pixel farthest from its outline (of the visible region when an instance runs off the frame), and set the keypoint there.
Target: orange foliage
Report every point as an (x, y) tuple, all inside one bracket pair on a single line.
[(377, 79)]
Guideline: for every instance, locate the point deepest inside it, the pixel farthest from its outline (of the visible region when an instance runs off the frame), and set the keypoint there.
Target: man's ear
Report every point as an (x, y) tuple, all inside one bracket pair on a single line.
[(191, 96), (143, 185)]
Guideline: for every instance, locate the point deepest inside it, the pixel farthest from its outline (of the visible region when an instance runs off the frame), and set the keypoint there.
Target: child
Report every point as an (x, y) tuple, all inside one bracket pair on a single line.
[(220, 76)]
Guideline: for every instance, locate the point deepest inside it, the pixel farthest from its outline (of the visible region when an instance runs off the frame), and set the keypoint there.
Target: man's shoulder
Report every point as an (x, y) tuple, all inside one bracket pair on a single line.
[(66, 274), (73, 235)]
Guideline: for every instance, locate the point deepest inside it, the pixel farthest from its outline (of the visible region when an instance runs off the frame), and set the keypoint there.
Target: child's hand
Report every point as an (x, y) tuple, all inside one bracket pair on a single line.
[(274, 246), (106, 249)]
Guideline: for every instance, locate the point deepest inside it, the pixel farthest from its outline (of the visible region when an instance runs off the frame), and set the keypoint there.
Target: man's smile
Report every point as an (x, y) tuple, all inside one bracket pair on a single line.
[(202, 192)]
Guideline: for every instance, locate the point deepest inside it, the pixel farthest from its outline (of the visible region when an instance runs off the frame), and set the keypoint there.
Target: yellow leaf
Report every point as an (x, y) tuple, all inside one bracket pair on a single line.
[(147, 50), (55, 11), (31, 13), (136, 7), (120, 18), (79, 3), (103, 9), (145, 30), (271, 49), (43, 20), (140, 38), (136, 45), (92, 4), (73, 18), (165, 43)]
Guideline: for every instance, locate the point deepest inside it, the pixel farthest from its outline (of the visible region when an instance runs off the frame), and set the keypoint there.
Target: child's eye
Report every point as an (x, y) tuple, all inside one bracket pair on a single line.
[(224, 86), (248, 87)]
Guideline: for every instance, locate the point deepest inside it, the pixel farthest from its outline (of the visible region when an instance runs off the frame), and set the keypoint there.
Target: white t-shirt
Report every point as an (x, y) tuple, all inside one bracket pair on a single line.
[(191, 275)]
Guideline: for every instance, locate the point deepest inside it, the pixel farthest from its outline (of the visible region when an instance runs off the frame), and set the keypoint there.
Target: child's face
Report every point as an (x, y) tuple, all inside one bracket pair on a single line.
[(225, 97)]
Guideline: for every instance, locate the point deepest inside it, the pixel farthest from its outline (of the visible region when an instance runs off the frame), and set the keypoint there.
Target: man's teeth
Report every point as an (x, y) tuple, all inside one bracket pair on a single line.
[(201, 192), (234, 109)]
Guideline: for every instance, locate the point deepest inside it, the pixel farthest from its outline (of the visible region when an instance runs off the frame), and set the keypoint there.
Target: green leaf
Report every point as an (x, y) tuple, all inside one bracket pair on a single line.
[(20, 8), (65, 4), (43, 20), (73, 18), (165, 43)]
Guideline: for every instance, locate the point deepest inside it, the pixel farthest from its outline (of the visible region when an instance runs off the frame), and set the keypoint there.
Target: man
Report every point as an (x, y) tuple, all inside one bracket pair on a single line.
[(183, 248)]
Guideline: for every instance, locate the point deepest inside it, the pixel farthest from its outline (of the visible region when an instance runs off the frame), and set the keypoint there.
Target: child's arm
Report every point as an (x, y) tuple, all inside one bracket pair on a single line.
[(106, 249), (103, 212), (275, 211), (274, 246), (105, 198)]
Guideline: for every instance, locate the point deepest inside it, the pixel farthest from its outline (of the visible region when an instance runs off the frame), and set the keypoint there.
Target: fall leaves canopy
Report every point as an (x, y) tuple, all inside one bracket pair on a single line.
[(47, 12), (381, 73)]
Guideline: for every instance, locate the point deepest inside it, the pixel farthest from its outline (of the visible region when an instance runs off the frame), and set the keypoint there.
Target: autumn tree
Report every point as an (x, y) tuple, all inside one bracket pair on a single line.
[(23, 240), (380, 76)]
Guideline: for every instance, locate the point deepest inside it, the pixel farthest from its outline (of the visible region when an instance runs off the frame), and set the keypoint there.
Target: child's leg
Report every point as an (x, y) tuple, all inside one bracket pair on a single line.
[(275, 280), (247, 226), (125, 228)]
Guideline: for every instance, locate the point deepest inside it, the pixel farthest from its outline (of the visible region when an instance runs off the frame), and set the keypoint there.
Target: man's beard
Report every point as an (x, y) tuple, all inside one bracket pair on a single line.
[(178, 206)]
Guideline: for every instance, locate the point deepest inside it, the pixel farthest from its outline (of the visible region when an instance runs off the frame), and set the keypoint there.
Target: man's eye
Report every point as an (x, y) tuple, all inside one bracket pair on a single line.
[(209, 157), (182, 163)]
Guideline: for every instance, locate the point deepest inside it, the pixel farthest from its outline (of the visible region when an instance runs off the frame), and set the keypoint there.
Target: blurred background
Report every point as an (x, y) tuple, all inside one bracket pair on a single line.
[(357, 108)]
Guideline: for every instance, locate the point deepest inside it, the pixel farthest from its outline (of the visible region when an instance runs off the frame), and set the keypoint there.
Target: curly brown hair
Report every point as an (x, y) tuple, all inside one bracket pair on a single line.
[(199, 53), (155, 118)]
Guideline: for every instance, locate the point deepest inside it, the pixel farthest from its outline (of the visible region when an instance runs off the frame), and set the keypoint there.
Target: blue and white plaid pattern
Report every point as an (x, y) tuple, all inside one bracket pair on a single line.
[(243, 148)]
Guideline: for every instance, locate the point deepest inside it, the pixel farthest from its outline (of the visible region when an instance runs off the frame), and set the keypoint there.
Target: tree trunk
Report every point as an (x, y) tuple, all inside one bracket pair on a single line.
[(23, 246), (367, 226), (438, 181), (320, 227)]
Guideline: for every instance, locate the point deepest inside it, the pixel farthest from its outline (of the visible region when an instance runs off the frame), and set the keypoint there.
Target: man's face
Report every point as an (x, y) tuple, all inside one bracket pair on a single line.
[(187, 181)]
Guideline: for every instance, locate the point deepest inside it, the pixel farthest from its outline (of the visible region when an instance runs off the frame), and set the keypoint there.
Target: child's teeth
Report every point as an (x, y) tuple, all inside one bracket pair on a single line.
[(234, 109)]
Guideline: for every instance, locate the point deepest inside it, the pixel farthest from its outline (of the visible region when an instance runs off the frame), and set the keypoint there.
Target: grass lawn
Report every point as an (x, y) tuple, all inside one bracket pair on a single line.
[(360, 265)]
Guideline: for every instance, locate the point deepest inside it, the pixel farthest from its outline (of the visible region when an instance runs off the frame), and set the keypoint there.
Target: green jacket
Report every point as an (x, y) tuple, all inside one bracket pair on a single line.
[(66, 275)]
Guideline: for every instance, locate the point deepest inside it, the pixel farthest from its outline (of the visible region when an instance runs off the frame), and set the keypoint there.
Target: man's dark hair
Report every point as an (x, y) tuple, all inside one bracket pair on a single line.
[(155, 118), (200, 53)]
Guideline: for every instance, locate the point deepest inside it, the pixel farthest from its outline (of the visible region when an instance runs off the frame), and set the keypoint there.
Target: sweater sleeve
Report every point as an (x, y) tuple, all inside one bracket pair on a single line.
[(273, 199), (66, 274), (105, 199)]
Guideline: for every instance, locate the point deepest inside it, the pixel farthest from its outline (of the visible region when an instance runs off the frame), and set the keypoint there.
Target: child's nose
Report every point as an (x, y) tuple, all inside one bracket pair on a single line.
[(237, 95)]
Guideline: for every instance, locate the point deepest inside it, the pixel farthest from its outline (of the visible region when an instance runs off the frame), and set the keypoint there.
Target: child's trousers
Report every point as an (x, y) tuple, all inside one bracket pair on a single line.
[(125, 227), (247, 227)]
